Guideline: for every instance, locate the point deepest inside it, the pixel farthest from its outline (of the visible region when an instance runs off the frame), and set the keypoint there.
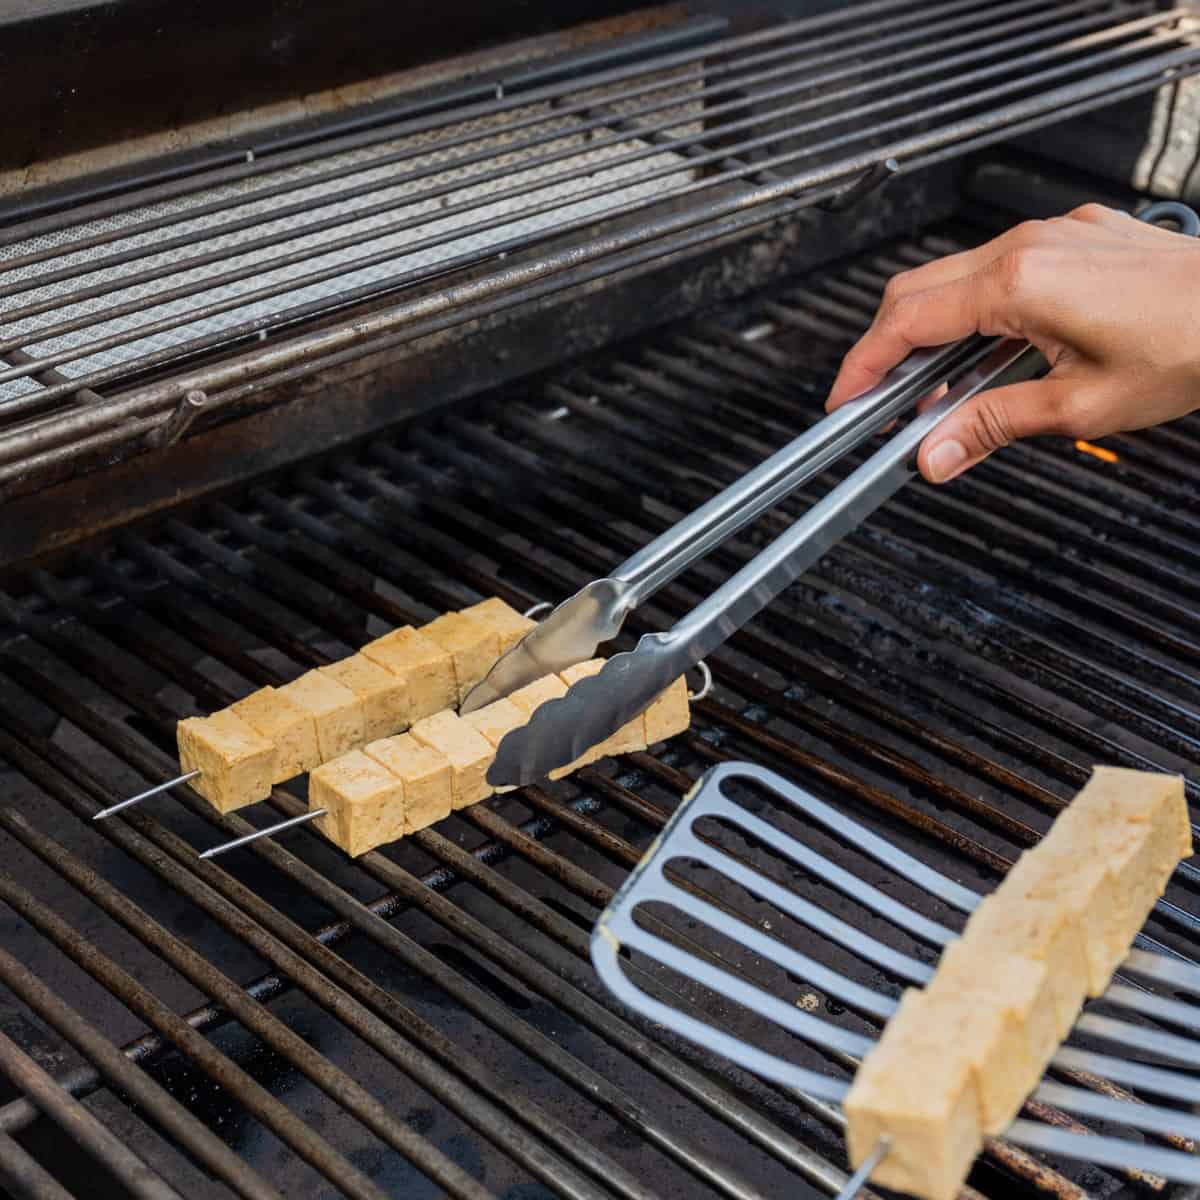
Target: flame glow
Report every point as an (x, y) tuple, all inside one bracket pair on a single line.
[(1097, 452)]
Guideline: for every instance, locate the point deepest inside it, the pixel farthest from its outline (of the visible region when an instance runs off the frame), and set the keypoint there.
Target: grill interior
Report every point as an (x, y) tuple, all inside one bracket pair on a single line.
[(238, 280), (425, 1020)]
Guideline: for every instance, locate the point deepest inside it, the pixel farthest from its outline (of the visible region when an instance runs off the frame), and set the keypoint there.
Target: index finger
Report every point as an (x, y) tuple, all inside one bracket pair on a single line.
[(930, 317)]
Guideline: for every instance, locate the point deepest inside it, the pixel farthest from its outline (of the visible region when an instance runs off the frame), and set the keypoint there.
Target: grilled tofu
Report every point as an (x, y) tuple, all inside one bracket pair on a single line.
[(509, 625), (364, 802), (473, 645), (999, 1013), (237, 764), (470, 754), (913, 1088), (337, 711), (427, 774), (380, 693), (291, 728), (1010, 989), (670, 714), (424, 669)]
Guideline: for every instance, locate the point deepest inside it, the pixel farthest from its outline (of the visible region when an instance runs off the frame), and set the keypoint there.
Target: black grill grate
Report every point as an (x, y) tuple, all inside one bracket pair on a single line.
[(951, 672), (117, 312)]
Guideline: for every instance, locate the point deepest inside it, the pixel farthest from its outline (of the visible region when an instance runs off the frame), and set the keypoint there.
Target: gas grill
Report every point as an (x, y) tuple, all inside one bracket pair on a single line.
[(484, 328)]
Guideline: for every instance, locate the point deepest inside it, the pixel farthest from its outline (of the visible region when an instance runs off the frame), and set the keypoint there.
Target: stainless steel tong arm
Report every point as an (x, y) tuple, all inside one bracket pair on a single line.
[(595, 614), (802, 459), (561, 730)]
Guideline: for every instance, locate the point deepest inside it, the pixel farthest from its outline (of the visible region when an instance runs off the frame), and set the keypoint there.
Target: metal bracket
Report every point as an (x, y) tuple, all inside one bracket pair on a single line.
[(868, 181), (179, 422)]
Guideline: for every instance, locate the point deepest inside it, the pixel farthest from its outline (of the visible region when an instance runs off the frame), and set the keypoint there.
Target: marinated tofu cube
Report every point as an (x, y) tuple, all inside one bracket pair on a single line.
[(509, 624), (1040, 931), (291, 728), (469, 752), (337, 711), (427, 775), (422, 666), (908, 1088), (496, 719), (364, 802), (236, 763), (669, 714), (473, 646), (999, 1014), (1081, 882), (380, 693), (572, 675), (534, 695), (1140, 829)]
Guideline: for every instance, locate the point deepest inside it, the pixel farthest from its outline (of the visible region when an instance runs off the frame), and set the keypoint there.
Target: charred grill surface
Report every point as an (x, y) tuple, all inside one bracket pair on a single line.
[(196, 291), (424, 1020)]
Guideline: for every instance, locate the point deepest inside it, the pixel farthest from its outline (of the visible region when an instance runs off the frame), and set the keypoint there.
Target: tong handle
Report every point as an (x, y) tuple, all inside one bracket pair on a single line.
[(656, 564), (829, 520), (806, 456)]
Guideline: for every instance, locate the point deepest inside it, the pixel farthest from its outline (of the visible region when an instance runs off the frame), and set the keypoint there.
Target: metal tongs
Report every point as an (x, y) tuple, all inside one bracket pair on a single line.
[(595, 707)]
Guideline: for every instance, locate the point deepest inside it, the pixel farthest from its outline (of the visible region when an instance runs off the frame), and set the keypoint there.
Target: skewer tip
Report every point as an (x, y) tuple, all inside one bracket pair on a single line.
[(279, 827), (154, 791)]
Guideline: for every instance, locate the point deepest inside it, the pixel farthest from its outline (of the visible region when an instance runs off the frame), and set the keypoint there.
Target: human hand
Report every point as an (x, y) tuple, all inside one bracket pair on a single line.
[(1112, 303)]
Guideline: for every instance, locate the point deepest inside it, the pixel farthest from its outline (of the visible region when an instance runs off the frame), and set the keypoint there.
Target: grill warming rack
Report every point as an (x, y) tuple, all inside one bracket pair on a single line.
[(130, 317), (661, 883), (977, 710)]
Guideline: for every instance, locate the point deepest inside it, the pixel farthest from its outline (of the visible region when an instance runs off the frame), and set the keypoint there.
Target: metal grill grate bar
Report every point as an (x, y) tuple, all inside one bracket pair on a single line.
[(1010, 64)]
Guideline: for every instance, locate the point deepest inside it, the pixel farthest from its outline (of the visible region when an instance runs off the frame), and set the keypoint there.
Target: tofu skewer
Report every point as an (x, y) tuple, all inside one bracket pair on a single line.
[(234, 757), (360, 816), (400, 784), (958, 1057)]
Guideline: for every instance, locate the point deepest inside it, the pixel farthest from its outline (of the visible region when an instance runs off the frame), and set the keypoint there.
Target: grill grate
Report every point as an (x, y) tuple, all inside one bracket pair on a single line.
[(949, 673), (201, 282)]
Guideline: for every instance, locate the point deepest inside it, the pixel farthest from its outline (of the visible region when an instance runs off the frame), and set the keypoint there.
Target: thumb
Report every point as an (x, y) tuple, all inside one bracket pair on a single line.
[(989, 422)]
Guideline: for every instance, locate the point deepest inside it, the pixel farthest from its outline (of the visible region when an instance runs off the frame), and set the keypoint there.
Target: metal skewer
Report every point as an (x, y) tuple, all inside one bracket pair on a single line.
[(262, 833), (154, 791), (855, 1183)]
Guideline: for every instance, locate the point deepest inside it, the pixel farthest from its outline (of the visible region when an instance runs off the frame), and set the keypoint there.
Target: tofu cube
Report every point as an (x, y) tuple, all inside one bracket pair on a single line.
[(473, 647), (337, 711), (1108, 857), (496, 719), (509, 625), (999, 1014), (427, 775), (237, 764), (669, 714), (1140, 830), (363, 799), (469, 752), (911, 1090), (1040, 931), (1144, 796), (289, 727), (380, 693), (422, 666), (534, 695), (1063, 872)]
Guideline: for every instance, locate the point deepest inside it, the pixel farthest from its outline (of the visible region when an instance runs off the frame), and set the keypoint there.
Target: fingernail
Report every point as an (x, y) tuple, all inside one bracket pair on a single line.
[(946, 460)]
